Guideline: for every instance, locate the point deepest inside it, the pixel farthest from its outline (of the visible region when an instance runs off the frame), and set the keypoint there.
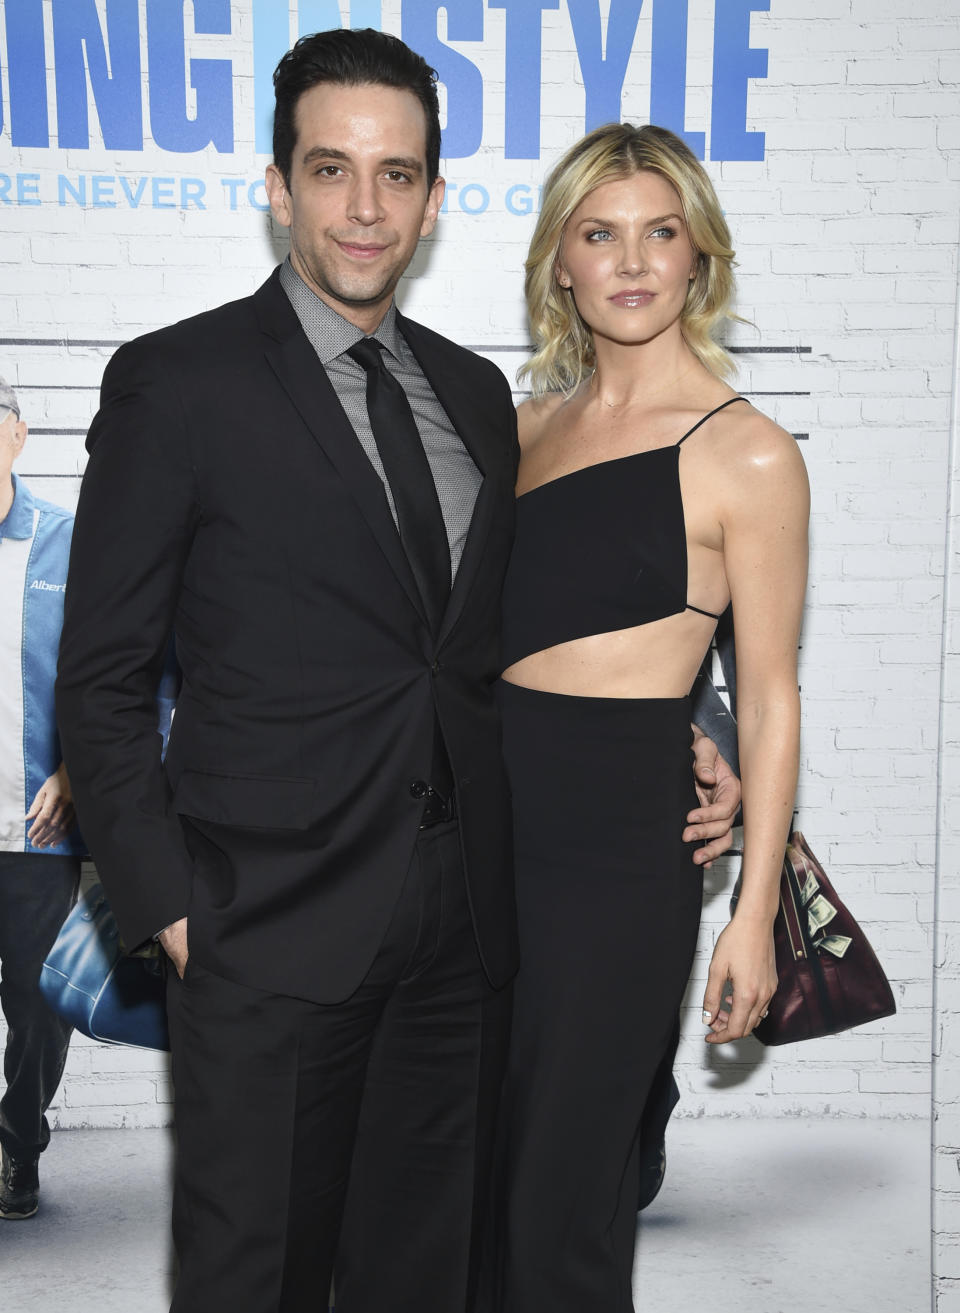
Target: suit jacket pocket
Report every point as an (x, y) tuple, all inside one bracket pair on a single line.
[(247, 801)]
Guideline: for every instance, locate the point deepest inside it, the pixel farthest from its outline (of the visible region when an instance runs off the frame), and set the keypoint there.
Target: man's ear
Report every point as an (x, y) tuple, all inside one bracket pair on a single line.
[(434, 201), (278, 196)]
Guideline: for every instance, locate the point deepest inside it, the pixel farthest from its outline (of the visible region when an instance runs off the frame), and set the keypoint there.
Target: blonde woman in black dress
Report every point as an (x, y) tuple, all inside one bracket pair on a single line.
[(650, 495)]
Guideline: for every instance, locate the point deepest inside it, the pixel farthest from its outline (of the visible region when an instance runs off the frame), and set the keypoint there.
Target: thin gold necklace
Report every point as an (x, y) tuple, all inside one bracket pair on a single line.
[(617, 405)]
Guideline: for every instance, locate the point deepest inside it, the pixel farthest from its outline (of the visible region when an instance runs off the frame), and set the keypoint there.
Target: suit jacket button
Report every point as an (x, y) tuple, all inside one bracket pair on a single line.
[(435, 668), (419, 789)]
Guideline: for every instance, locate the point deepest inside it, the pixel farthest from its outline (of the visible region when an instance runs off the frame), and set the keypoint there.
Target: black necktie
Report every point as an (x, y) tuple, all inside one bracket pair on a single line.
[(408, 472)]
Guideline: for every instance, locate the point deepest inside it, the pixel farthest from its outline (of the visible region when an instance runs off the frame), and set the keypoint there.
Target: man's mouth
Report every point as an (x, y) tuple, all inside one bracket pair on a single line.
[(361, 250)]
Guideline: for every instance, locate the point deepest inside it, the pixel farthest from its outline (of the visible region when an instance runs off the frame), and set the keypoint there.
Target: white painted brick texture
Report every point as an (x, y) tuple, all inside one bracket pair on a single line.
[(847, 241)]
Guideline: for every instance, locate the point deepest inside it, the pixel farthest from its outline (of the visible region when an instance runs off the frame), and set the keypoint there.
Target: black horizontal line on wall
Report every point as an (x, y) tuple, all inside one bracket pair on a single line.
[(734, 350), (525, 392), (62, 341), (58, 387), (483, 346), (770, 350), (82, 433)]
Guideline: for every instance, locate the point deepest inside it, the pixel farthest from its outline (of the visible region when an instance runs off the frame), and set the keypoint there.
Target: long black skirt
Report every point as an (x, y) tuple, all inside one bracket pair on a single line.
[(609, 904)]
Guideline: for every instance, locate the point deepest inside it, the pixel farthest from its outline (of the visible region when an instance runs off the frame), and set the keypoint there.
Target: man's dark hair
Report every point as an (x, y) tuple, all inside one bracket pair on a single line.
[(351, 59)]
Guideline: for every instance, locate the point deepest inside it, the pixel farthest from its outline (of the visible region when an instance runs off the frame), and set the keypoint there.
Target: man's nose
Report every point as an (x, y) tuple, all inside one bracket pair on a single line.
[(364, 204)]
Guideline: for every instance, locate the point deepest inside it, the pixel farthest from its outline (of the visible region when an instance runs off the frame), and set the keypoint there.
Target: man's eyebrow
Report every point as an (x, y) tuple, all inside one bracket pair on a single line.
[(410, 164), (326, 152)]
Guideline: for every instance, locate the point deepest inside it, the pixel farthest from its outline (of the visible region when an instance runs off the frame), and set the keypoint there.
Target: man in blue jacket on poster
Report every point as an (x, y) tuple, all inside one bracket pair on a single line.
[(40, 847)]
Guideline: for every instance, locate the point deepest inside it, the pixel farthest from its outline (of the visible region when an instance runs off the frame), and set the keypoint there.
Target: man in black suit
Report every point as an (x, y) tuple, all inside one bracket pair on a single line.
[(316, 495)]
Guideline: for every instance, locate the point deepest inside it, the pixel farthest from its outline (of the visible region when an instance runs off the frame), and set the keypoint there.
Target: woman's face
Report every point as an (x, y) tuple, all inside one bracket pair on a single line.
[(628, 259)]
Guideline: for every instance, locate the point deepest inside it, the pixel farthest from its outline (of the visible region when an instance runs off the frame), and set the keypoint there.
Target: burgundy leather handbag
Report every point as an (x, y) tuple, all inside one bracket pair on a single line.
[(829, 976)]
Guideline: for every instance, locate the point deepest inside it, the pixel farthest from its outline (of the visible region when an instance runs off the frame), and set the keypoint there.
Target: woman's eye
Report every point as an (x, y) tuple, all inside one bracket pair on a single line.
[(664, 231), (599, 235)]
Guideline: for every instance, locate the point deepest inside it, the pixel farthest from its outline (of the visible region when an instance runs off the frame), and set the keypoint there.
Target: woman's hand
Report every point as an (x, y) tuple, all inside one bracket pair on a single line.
[(744, 957)]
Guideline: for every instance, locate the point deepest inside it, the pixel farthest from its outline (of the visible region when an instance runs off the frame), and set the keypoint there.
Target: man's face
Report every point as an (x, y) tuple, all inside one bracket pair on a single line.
[(13, 434), (358, 200)]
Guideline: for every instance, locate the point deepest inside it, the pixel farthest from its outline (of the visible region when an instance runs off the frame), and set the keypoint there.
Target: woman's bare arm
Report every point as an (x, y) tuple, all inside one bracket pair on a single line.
[(764, 518)]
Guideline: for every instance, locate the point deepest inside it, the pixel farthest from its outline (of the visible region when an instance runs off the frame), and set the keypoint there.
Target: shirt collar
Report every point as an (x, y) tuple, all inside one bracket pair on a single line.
[(329, 333), (19, 521)]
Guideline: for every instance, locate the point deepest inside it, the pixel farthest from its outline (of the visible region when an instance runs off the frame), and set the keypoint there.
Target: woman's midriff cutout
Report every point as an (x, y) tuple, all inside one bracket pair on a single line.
[(659, 659)]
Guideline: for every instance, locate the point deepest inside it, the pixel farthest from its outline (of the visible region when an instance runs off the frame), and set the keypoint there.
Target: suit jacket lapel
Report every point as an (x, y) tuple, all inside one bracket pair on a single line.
[(303, 378)]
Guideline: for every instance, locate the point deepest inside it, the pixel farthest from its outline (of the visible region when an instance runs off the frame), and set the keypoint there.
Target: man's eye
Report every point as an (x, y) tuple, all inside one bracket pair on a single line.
[(328, 170), (398, 175)]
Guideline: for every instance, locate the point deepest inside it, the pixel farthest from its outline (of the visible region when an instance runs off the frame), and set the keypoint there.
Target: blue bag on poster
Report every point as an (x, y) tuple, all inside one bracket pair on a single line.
[(102, 991)]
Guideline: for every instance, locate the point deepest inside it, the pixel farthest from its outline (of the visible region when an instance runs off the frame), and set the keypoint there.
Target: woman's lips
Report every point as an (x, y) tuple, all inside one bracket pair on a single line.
[(633, 300)]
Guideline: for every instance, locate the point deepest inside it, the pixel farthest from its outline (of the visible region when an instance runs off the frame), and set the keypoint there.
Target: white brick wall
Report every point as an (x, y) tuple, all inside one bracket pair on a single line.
[(847, 237)]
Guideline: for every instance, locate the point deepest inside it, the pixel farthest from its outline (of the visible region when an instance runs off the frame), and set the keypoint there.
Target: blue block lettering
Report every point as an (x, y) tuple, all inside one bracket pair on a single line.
[(74, 191), (102, 185), (518, 199), (318, 16), (523, 75), (232, 185), (735, 61), (162, 193), (603, 74), (464, 130), (366, 13), (668, 72), (26, 74), (211, 79), (257, 195), (28, 189), (271, 39), (474, 198), (192, 192), (135, 196), (116, 90)]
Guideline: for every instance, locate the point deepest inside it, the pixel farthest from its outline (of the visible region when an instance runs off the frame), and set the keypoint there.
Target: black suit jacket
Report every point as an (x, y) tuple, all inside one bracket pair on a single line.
[(228, 498)]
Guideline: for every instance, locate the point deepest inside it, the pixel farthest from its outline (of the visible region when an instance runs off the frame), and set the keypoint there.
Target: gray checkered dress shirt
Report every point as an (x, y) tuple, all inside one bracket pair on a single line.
[(454, 472)]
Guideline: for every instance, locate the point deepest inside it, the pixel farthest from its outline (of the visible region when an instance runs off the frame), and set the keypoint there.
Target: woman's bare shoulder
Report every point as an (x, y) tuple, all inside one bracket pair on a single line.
[(534, 415), (745, 440), (764, 447), (752, 460)]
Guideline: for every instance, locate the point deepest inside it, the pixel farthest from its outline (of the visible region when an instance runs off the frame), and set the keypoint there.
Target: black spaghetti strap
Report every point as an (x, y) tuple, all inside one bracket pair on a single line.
[(690, 607), (716, 410)]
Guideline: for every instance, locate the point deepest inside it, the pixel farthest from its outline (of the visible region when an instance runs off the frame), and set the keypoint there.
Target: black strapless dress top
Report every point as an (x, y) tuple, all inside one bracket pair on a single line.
[(599, 549)]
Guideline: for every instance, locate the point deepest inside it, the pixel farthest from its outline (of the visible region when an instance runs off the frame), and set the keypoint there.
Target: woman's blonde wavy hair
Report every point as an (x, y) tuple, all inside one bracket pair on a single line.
[(564, 353)]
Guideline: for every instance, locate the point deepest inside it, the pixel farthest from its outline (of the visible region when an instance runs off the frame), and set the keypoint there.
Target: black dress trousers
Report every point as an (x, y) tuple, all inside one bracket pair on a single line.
[(346, 1141)]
